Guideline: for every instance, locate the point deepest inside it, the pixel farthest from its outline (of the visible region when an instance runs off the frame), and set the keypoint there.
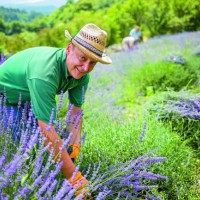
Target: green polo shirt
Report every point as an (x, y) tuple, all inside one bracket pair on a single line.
[(39, 74)]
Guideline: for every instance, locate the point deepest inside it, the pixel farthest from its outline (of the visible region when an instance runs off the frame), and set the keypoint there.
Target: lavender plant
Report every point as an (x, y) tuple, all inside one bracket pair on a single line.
[(2, 58), (182, 110), (130, 180), (188, 106), (29, 171)]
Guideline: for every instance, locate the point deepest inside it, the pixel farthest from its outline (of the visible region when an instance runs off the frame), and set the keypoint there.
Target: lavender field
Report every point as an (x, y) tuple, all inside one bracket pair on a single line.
[(141, 130)]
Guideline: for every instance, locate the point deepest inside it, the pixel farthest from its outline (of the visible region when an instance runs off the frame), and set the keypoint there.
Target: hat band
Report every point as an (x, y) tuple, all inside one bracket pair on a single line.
[(88, 46)]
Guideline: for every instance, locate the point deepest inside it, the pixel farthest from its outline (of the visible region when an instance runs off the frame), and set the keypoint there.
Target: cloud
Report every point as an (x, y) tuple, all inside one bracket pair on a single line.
[(34, 1)]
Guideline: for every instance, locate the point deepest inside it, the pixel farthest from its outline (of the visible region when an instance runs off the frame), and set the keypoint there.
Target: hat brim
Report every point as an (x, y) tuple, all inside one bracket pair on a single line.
[(104, 59)]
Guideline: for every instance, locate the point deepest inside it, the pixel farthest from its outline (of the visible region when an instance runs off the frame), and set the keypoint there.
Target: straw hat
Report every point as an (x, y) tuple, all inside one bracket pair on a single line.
[(91, 40)]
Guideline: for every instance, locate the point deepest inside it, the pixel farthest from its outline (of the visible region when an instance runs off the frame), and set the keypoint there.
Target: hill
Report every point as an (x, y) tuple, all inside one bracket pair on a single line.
[(15, 14), (42, 9)]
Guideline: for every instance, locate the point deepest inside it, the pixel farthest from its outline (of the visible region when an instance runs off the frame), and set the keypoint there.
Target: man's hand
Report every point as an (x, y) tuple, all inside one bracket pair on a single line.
[(73, 151), (79, 183), (53, 138)]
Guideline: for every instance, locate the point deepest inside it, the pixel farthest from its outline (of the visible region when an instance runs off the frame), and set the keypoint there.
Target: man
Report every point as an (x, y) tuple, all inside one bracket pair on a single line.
[(39, 73), (133, 38), (136, 33)]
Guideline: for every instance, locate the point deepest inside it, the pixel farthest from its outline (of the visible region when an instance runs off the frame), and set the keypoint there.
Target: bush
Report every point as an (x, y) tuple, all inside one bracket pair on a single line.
[(182, 112)]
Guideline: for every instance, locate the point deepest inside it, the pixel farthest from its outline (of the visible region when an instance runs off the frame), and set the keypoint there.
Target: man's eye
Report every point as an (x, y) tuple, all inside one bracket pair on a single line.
[(93, 63), (82, 58)]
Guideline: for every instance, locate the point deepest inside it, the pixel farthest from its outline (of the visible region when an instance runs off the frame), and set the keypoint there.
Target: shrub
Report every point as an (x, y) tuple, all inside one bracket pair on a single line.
[(182, 112)]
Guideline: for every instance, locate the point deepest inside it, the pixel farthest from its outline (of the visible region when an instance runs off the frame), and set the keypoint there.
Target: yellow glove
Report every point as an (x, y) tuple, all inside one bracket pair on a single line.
[(79, 184), (75, 151)]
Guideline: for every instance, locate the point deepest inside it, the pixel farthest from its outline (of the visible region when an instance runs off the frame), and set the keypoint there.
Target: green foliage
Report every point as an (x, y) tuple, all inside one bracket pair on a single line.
[(11, 14), (183, 15), (16, 27), (161, 76), (152, 78), (15, 21), (84, 5), (2, 25), (37, 25), (154, 17), (24, 40)]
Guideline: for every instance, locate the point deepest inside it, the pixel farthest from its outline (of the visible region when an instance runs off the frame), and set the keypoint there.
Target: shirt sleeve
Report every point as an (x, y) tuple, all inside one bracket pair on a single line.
[(42, 96), (77, 94)]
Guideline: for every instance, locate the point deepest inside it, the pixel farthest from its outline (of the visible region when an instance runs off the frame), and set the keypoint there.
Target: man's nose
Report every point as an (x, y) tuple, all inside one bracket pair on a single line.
[(86, 67)]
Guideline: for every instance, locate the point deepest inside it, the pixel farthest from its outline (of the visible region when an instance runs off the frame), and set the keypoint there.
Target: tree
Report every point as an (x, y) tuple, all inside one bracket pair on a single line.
[(2, 25), (16, 27)]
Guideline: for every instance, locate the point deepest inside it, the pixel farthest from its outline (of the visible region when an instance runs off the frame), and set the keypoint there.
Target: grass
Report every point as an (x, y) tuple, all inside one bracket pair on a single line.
[(118, 142), (115, 112)]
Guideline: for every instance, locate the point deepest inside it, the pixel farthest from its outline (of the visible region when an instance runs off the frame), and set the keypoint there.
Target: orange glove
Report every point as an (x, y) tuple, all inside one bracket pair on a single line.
[(75, 151), (79, 184)]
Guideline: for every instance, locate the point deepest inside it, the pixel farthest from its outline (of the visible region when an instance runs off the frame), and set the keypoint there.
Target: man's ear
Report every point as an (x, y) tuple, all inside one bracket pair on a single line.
[(69, 47)]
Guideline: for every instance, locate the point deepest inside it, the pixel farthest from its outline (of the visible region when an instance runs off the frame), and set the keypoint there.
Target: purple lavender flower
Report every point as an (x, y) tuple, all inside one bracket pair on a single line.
[(66, 142), (83, 138), (4, 196), (51, 120), (2, 59), (66, 188), (44, 186), (3, 182), (182, 105), (143, 131), (70, 194), (74, 173), (20, 101), (25, 191), (78, 121), (95, 171), (51, 188), (12, 167), (2, 160), (83, 94), (37, 181), (68, 119), (57, 170), (128, 178), (38, 166), (102, 195), (80, 197), (33, 140), (77, 115), (60, 102)]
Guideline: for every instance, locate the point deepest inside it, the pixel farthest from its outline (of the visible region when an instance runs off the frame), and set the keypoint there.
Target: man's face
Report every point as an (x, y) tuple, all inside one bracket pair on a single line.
[(78, 63)]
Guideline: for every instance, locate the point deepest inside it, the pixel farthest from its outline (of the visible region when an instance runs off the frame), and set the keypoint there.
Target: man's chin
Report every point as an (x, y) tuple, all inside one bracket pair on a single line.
[(77, 76)]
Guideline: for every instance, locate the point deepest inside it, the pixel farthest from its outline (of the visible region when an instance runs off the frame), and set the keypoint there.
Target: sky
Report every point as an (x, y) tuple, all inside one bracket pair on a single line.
[(56, 3)]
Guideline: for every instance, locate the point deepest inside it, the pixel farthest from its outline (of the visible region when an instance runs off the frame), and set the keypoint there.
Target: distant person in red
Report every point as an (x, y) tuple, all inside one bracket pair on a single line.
[(40, 73)]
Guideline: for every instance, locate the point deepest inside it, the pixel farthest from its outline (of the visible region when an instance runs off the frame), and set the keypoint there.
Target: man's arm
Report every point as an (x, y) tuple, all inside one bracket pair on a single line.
[(49, 132), (56, 142)]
